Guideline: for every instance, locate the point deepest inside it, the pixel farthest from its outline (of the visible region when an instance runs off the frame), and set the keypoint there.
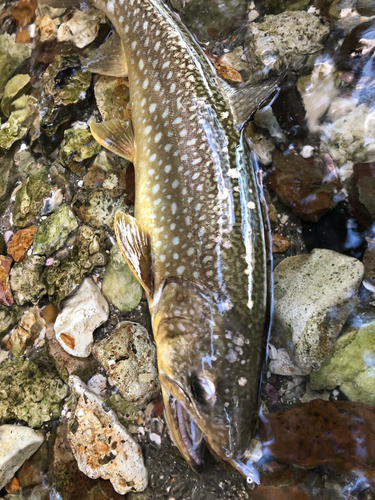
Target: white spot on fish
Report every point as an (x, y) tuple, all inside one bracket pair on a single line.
[(190, 251), (173, 226), (148, 129), (167, 168), (143, 102), (169, 75), (165, 113), (191, 142), (183, 132), (175, 256), (155, 189), (145, 84), (141, 64), (173, 88), (121, 19), (233, 173), (153, 157), (126, 28), (157, 46), (157, 244), (251, 205), (175, 183), (242, 381), (176, 240), (177, 120), (180, 270), (167, 147), (158, 137), (157, 87), (152, 107), (157, 202), (134, 44), (162, 257), (111, 6), (151, 171), (174, 208)]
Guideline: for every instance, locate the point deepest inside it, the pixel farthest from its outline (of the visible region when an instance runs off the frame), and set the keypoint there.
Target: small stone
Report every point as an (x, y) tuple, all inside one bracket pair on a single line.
[(281, 364), (314, 295), (47, 29), (9, 315), (79, 147), (82, 28), (21, 242), (34, 471), (11, 55), (82, 313), (67, 365), (50, 313), (6, 296), (350, 366), (112, 97), (29, 393), (235, 59), (19, 121), (280, 244), (13, 486), (97, 207), (16, 87), (17, 444), (54, 231), (101, 445), (120, 286), (26, 280), (27, 331), (129, 357)]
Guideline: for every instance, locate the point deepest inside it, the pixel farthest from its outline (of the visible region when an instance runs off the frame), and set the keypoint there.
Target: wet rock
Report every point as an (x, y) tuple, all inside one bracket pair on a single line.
[(97, 207), (28, 329), (289, 40), (65, 88), (101, 445), (26, 280), (54, 231), (11, 55), (337, 434), (82, 313), (29, 198), (67, 365), (23, 114), (236, 59), (369, 265), (62, 277), (9, 177), (104, 173), (24, 12), (82, 28), (362, 193), (34, 470), (16, 87), (46, 29), (29, 393), (129, 357), (305, 185), (314, 295), (281, 364), (9, 317), (21, 242), (119, 284), (49, 314), (112, 97), (280, 244), (79, 147), (261, 146), (350, 366), (17, 444), (6, 296)]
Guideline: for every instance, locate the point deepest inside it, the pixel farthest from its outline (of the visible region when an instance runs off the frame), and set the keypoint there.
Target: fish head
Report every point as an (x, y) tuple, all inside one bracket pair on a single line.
[(205, 372)]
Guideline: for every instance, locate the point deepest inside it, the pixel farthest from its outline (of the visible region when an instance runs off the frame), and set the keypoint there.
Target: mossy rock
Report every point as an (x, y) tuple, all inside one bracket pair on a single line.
[(79, 147)]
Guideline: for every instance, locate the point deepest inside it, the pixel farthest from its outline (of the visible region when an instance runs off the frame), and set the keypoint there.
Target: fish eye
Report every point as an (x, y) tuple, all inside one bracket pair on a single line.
[(202, 389)]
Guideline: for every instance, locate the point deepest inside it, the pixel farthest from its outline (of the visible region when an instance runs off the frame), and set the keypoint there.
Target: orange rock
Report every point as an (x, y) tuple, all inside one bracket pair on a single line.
[(49, 313), (279, 243), (21, 242), (6, 296), (23, 37), (336, 434), (13, 487), (225, 71), (24, 12)]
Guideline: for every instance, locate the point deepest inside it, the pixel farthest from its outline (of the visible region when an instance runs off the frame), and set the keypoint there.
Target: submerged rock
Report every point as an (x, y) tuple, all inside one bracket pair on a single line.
[(17, 86), (23, 114), (101, 445), (337, 434), (6, 296), (54, 231), (27, 331), (350, 366), (29, 393), (9, 317), (21, 242), (82, 313), (120, 286), (26, 280), (289, 40), (112, 97), (129, 357), (82, 28), (11, 55), (97, 207), (79, 147), (17, 444), (9, 176), (314, 295)]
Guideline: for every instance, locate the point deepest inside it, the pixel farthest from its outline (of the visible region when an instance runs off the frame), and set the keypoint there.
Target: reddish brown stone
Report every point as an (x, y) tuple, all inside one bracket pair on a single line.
[(223, 70), (337, 434), (23, 37), (49, 314), (13, 487), (279, 243), (21, 242), (6, 296), (24, 12), (307, 186)]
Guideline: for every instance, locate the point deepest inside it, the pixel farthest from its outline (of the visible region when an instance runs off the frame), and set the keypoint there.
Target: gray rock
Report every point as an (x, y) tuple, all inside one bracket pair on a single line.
[(101, 445), (120, 286), (82, 313), (314, 295), (17, 444), (129, 357), (26, 280)]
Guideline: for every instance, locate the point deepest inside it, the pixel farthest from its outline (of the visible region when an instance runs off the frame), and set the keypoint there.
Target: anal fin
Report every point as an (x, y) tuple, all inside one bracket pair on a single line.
[(109, 59), (135, 245), (115, 135)]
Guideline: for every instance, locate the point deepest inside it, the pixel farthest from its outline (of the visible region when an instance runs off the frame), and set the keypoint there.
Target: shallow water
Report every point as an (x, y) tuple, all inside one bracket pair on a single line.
[(315, 146)]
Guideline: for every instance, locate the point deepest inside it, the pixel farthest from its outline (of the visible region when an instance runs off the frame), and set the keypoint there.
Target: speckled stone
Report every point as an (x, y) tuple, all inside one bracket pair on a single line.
[(26, 280)]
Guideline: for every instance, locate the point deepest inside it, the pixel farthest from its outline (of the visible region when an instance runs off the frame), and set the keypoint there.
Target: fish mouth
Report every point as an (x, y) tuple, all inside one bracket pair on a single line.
[(185, 433)]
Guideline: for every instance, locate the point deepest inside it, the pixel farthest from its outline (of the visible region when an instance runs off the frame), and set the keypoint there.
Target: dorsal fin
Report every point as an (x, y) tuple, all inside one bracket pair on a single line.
[(115, 135), (109, 59), (135, 245), (245, 101)]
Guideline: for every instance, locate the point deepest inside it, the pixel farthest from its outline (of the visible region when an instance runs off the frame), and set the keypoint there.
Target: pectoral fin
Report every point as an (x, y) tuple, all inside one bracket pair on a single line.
[(109, 59), (115, 135), (135, 245)]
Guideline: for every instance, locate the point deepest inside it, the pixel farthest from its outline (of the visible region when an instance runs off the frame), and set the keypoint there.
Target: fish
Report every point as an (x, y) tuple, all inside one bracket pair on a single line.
[(197, 241)]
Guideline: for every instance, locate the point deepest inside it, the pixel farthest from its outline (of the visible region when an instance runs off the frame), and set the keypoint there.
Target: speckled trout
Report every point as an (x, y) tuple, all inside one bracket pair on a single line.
[(197, 241)]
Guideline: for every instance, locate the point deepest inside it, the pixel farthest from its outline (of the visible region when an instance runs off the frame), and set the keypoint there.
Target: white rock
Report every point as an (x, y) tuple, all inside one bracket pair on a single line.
[(307, 151), (281, 364), (17, 444), (82, 313), (81, 29), (101, 445), (314, 296), (97, 384)]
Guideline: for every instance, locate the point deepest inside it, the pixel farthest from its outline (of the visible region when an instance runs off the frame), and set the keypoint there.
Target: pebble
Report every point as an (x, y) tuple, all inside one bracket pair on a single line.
[(28, 329), (82, 313), (281, 364), (17, 444), (21, 242), (82, 28), (314, 295), (101, 445)]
